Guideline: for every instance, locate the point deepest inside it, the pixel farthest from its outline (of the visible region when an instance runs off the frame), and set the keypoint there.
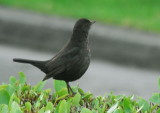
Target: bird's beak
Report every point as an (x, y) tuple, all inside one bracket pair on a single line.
[(92, 22)]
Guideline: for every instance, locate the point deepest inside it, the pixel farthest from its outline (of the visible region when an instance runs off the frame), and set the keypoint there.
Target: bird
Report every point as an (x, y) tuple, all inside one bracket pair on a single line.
[(72, 61)]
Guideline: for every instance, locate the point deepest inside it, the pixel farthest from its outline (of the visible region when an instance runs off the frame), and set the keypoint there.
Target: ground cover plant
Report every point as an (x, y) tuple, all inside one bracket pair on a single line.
[(139, 14), (19, 97)]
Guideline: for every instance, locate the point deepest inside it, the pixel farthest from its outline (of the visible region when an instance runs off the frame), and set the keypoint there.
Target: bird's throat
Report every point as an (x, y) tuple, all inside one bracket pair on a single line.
[(79, 38)]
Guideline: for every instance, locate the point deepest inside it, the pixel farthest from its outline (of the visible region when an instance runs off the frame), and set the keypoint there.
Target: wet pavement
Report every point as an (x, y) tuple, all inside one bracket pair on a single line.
[(101, 78)]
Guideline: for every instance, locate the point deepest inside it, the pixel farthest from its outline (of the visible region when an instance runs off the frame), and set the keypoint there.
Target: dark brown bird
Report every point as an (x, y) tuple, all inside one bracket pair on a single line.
[(72, 61)]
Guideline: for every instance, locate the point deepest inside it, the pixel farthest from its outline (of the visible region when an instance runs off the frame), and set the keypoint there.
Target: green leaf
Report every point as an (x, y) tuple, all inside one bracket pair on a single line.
[(139, 109), (144, 103), (87, 95), (57, 108), (75, 89), (63, 107), (59, 84), (41, 110), (15, 108), (22, 78), (120, 97), (39, 86), (104, 107), (25, 87), (76, 99), (118, 110), (4, 108), (49, 106), (86, 110), (158, 111), (80, 91), (12, 80), (12, 99), (4, 97), (28, 106), (48, 90), (127, 104), (10, 88), (132, 97), (3, 86), (41, 97), (96, 103), (113, 108), (48, 111), (155, 98), (153, 108), (62, 92), (37, 104)]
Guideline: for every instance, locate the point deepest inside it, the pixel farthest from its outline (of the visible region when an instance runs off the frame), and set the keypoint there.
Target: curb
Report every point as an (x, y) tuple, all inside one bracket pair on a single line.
[(50, 33)]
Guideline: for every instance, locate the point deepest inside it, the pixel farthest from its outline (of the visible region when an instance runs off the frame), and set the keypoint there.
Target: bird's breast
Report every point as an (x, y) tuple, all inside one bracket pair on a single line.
[(78, 66)]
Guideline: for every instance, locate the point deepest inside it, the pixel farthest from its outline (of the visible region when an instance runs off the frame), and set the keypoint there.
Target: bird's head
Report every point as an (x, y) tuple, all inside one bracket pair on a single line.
[(83, 24)]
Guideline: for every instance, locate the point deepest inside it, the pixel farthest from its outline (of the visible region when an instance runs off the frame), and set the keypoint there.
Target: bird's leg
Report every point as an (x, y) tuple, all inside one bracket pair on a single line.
[(69, 88)]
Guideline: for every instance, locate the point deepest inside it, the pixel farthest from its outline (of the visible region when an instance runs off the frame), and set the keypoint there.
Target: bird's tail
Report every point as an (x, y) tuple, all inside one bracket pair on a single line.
[(38, 64), (23, 60)]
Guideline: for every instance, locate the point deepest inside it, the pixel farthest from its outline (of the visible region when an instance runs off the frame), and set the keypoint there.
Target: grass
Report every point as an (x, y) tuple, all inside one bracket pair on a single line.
[(20, 97), (138, 14)]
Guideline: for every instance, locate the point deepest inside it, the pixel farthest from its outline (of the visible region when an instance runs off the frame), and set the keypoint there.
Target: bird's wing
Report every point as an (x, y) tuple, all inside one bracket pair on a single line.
[(62, 62)]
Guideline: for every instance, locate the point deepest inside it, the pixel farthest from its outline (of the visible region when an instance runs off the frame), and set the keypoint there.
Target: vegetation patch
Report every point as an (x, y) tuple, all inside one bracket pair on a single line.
[(20, 97), (139, 14)]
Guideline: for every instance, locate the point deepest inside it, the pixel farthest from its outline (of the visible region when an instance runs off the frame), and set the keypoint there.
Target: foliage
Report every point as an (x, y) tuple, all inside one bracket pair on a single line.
[(19, 97), (140, 14)]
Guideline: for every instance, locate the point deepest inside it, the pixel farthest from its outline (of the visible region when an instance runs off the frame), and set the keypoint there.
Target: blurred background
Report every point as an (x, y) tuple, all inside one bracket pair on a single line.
[(124, 42)]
